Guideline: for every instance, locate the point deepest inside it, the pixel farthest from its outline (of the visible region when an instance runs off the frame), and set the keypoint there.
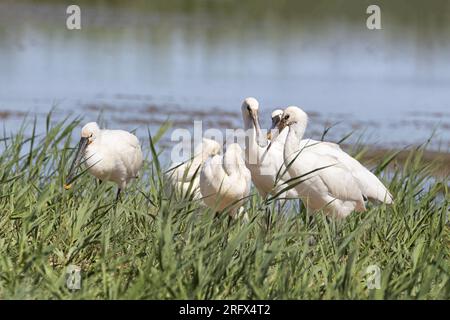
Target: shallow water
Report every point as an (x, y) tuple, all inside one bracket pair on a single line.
[(144, 62)]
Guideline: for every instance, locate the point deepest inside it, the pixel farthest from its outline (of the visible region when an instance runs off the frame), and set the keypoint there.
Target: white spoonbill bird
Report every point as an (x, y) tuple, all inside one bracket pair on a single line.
[(264, 164), (224, 181), (110, 155), (185, 177), (340, 184)]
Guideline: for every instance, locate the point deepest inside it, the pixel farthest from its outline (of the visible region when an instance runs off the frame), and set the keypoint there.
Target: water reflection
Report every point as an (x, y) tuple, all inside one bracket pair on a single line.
[(209, 55)]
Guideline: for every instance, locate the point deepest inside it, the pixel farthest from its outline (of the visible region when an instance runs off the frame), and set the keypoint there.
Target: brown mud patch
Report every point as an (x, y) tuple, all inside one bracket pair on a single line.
[(7, 114), (373, 156)]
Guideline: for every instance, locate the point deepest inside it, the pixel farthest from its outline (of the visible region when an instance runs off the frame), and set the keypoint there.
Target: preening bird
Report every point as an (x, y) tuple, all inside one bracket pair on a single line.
[(110, 155), (331, 179), (225, 181), (266, 165), (185, 177)]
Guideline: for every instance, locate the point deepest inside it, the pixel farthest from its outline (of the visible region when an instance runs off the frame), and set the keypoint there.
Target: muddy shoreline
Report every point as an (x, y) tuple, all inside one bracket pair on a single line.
[(373, 155), (142, 113)]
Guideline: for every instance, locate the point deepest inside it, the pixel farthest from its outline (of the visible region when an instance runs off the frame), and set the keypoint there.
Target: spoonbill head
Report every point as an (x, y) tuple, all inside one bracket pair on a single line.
[(276, 118), (249, 109), (89, 133), (207, 148), (110, 155), (293, 115)]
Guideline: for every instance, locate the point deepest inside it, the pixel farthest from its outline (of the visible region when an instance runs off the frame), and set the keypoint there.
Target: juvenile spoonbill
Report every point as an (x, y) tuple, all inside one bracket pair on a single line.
[(183, 176), (340, 184), (110, 155), (224, 181), (264, 164)]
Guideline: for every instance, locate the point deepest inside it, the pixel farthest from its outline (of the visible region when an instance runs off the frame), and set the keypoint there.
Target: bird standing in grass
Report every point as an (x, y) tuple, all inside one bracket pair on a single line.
[(225, 181), (330, 179), (110, 155)]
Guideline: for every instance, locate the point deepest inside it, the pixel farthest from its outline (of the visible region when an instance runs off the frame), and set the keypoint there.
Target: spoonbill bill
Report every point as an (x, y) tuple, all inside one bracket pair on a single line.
[(331, 179), (266, 165), (110, 155), (225, 181), (185, 177)]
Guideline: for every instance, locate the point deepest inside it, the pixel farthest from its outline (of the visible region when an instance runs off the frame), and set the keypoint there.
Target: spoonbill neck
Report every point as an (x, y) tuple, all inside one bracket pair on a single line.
[(248, 122), (295, 135), (298, 130), (256, 139)]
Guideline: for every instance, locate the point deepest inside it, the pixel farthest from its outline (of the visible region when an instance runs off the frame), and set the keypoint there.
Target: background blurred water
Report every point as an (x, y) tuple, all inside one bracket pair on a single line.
[(144, 61)]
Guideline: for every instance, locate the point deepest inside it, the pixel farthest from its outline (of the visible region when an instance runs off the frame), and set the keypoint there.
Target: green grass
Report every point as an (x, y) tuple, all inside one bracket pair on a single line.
[(155, 246)]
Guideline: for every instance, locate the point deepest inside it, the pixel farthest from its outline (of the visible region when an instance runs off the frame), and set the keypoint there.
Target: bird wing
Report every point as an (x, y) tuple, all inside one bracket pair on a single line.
[(373, 188), (212, 175), (217, 185), (127, 147), (369, 184), (337, 180), (340, 183)]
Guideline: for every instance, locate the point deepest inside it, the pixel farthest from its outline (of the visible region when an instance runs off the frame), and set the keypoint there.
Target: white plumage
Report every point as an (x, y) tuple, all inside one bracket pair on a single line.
[(225, 181), (264, 164), (185, 177), (110, 155), (340, 185)]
